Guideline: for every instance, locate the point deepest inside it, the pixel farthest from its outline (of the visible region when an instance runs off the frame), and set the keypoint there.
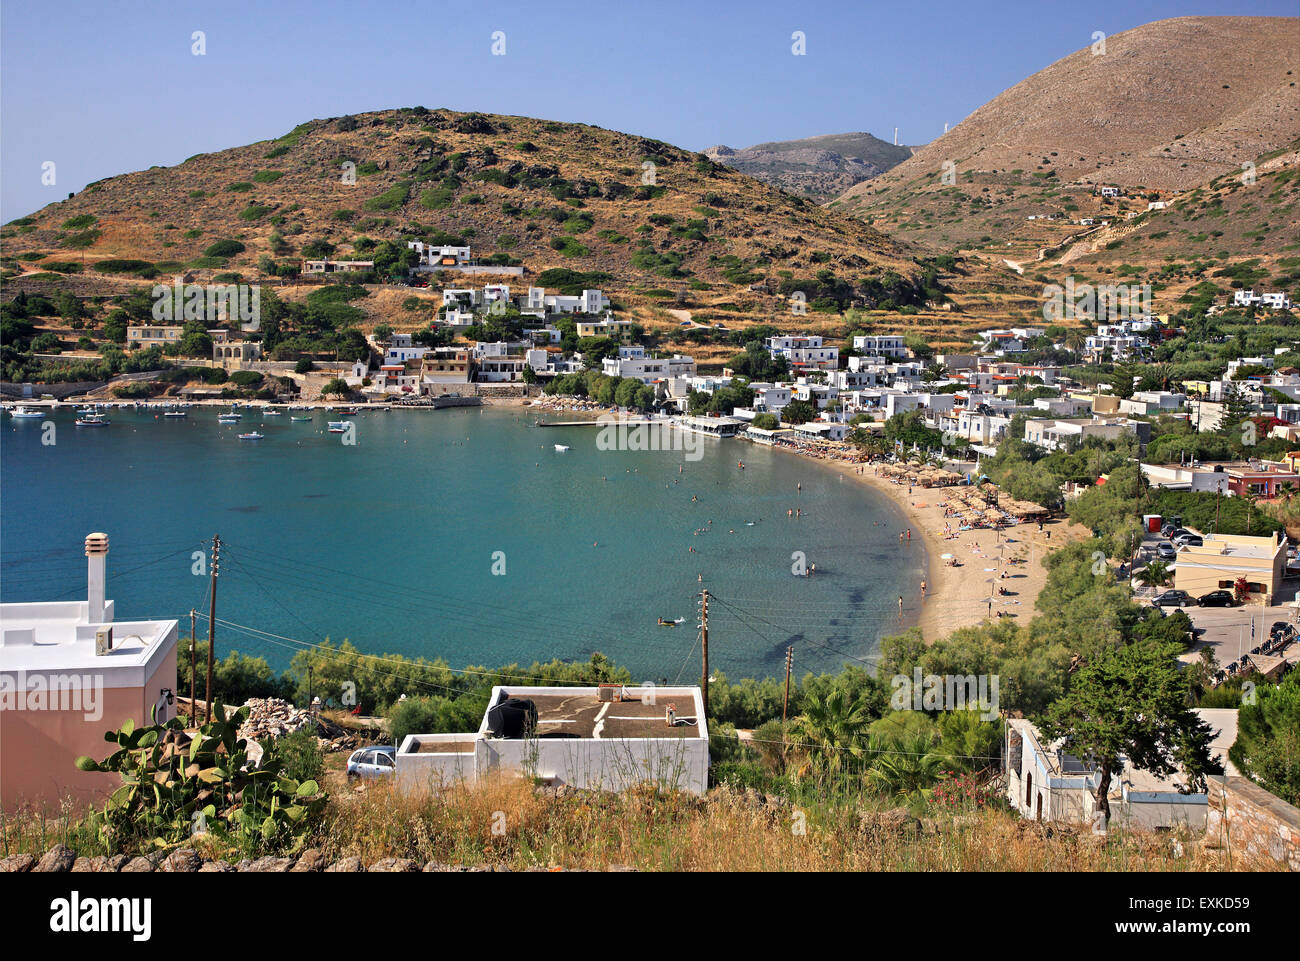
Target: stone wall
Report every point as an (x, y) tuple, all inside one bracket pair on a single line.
[(1245, 819)]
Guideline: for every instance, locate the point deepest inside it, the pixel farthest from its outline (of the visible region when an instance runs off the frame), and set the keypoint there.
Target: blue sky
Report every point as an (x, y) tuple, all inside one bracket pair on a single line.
[(104, 88)]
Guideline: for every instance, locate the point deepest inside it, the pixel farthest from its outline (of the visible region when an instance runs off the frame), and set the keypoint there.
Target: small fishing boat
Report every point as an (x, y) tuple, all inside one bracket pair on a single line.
[(175, 413), (26, 413), (300, 420), (561, 448), (251, 436), (272, 412), (338, 427), (349, 412), (230, 418), (669, 622), (93, 420)]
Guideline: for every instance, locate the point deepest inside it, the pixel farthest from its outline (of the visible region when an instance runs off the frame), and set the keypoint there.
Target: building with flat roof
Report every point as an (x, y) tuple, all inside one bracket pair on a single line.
[(1223, 559), (1044, 783), (610, 737), (69, 672)]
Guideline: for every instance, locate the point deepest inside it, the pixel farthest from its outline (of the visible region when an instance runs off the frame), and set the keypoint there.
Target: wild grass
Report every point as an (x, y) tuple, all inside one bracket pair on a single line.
[(510, 824)]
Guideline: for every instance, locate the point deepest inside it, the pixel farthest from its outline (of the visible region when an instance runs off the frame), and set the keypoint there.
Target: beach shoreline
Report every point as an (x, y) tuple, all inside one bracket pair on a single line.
[(957, 597)]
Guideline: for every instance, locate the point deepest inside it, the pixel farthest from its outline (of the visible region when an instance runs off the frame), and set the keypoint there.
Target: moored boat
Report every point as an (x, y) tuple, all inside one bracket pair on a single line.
[(251, 436), (93, 420), (338, 426), (26, 413)]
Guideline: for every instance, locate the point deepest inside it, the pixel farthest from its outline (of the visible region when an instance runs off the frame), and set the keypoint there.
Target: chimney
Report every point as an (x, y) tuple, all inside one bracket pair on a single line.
[(97, 559)]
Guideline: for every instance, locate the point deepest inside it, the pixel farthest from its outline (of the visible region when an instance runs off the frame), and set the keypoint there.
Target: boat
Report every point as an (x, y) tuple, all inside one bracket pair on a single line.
[(300, 420), (230, 418), (669, 622), (253, 436), (338, 426), (26, 413), (93, 420), (349, 412), (175, 413), (561, 448), (272, 412)]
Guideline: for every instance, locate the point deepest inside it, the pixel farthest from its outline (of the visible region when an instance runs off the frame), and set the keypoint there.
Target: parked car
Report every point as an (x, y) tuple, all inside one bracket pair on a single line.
[(1218, 599), (1168, 530), (1178, 532), (1174, 598), (1187, 537), (373, 762), (1166, 551), (1194, 541)]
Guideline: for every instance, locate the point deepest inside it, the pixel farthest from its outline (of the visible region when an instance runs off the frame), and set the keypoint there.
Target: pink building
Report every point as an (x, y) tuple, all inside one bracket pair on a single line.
[(69, 672)]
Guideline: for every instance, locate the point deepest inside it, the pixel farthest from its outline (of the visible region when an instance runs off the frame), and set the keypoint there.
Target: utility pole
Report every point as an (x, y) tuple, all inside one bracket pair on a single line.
[(212, 619), (785, 704), (193, 667), (704, 629)]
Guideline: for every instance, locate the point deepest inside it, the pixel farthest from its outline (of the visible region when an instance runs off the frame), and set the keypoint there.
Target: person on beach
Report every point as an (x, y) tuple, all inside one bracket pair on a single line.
[(923, 590), (900, 607), (909, 535)]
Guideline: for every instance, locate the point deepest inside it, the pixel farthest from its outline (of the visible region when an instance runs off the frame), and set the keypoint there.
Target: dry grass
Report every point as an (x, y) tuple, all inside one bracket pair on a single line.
[(508, 823)]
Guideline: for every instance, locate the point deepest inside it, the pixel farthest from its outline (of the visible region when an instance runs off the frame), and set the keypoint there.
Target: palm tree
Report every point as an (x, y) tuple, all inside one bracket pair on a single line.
[(833, 727), (1155, 574), (1251, 499), (904, 767)]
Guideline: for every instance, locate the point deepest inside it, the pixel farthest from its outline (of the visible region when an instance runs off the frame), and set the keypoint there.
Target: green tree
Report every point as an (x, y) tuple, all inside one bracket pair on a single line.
[(1132, 702), (798, 412), (1267, 748)]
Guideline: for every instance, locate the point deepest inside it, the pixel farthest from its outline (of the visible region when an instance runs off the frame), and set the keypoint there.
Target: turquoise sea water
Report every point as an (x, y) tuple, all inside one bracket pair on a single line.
[(391, 543)]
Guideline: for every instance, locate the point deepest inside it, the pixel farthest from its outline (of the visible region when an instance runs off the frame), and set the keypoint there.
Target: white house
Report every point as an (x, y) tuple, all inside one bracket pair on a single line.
[(1055, 434), (633, 362), (1046, 784), (401, 349), (438, 255), (885, 345), (806, 350), (610, 738)]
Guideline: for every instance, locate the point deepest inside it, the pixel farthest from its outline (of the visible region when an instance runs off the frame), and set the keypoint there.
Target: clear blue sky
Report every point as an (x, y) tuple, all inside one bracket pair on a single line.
[(104, 88)]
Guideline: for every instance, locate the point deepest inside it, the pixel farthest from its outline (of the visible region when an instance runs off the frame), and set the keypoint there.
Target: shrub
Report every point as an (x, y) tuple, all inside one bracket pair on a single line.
[(79, 223), (300, 755), (246, 378), (224, 248), (254, 212), (242, 187), (391, 199)]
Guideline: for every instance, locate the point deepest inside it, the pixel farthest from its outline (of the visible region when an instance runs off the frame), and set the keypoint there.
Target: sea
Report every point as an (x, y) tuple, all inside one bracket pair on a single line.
[(461, 534)]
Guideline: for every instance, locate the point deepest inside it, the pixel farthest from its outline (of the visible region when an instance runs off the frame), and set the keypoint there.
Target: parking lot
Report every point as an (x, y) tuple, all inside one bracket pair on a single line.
[(1229, 631)]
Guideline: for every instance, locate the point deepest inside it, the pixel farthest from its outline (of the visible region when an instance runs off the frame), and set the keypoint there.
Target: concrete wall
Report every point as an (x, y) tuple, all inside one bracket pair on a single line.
[(38, 749), (1245, 819)]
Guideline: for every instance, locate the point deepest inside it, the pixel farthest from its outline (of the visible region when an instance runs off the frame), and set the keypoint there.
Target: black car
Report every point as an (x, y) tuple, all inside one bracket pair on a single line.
[(1218, 599), (1174, 599)]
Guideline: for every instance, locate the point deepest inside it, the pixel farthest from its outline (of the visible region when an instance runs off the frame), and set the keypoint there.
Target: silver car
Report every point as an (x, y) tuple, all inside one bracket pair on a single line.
[(373, 762)]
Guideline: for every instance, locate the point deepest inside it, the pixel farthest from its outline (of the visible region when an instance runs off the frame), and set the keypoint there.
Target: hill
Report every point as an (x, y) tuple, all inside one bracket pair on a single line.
[(819, 168), (626, 212), (1167, 109)]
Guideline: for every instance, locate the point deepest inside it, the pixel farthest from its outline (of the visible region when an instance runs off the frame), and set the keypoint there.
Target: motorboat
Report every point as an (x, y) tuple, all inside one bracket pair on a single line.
[(26, 413), (254, 435), (561, 448), (93, 420)]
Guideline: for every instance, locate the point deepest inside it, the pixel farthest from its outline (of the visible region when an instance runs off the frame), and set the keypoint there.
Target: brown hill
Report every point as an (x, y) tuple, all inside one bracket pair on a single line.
[(538, 193), (1167, 107)]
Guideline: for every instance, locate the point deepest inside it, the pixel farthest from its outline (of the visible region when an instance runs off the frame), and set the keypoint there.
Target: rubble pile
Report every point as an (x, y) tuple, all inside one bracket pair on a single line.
[(272, 717)]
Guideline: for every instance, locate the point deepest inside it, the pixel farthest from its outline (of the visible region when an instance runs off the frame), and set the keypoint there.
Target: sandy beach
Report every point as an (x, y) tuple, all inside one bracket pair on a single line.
[(958, 596)]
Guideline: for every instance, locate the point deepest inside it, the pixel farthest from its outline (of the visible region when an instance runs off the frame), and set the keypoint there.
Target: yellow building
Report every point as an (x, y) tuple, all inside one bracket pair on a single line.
[(620, 330), (1226, 557)]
